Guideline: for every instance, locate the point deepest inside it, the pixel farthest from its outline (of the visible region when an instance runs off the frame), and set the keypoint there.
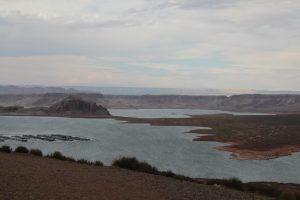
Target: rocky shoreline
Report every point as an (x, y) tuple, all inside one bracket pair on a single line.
[(247, 137), (245, 154)]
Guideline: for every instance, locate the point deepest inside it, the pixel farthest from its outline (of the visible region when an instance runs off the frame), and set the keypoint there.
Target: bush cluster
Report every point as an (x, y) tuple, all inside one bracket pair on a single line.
[(36, 152), (84, 161), (132, 163), (57, 155), (60, 156), (21, 149), (5, 149)]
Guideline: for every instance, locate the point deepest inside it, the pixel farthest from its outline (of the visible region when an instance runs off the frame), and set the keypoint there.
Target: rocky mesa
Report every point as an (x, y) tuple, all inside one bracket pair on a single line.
[(70, 106), (74, 105)]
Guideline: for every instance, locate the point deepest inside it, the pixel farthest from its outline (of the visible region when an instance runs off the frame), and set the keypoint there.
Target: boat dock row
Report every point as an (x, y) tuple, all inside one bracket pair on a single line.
[(49, 138)]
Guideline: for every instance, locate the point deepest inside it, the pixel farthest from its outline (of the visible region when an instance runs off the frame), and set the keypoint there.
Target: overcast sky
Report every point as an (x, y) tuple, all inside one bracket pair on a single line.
[(151, 43)]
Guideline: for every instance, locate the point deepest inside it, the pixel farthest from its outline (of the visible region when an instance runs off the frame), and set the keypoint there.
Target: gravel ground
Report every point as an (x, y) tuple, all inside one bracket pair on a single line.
[(31, 177)]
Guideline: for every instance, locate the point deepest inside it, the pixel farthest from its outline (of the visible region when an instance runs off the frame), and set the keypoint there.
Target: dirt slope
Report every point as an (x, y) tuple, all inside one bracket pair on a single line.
[(29, 177)]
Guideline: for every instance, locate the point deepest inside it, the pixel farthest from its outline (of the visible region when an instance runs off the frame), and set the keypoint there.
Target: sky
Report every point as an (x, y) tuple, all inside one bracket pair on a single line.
[(250, 44)]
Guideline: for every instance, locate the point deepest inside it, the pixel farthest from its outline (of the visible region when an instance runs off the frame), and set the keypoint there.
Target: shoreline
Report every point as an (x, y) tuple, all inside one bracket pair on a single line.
[(258, 132), (239, 153), (244, 154), (234, 144)]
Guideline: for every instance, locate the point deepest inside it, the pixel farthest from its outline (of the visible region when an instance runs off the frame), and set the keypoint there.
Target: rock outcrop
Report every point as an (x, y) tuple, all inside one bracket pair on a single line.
[(11, 109), (74, 105), (68, 107)]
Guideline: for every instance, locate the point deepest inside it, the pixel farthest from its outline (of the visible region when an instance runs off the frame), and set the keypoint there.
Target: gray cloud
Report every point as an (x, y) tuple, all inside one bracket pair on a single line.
[(206, 4), (133, 37)]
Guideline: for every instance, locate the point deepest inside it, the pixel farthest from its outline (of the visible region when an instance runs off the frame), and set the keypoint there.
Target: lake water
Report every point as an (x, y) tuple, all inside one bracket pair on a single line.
[(171, 113), (168, 148)]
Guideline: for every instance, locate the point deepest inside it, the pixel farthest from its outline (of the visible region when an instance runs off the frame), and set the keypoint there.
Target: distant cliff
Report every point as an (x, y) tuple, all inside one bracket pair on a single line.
[(243, 103), (247, 102), (12, 89)]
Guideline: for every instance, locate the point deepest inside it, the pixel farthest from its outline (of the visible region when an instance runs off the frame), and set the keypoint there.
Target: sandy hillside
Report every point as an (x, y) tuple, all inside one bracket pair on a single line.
[(30, 177)]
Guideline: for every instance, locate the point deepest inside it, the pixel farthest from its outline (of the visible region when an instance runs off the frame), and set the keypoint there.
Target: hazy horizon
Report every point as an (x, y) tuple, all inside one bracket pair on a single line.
[(136, 87), (120, 90), (188, 44)]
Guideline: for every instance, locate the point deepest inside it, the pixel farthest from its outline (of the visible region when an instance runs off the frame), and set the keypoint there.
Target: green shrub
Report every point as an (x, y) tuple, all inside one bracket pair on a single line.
[(36, 152), (286, 196), (5, 149), (98, 163), (134, 164), (21, 149), (234, 183), (167, 174), (70, 159), (267, 190), (183, 178), (58, 155), (84, 161)]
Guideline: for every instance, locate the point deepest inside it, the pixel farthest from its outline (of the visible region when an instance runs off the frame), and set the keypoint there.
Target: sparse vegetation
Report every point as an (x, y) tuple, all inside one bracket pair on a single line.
[(266, 190), (258, 188), (84, 161), (70, 159), (98, 163), (5, 149), (21, 149), (234, 183), (133, 164), (58, 155), (36, 152)]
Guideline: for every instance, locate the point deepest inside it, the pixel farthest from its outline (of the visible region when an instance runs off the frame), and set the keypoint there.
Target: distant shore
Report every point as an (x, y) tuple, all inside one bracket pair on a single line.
[(247, 137)]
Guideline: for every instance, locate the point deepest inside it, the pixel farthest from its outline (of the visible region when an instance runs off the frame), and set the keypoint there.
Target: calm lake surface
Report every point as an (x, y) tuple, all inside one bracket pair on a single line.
[(171, 113), (168, 148)]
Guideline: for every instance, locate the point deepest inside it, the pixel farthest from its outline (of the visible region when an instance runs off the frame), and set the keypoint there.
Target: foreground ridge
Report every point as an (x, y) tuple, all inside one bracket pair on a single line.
[(74, 181)]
